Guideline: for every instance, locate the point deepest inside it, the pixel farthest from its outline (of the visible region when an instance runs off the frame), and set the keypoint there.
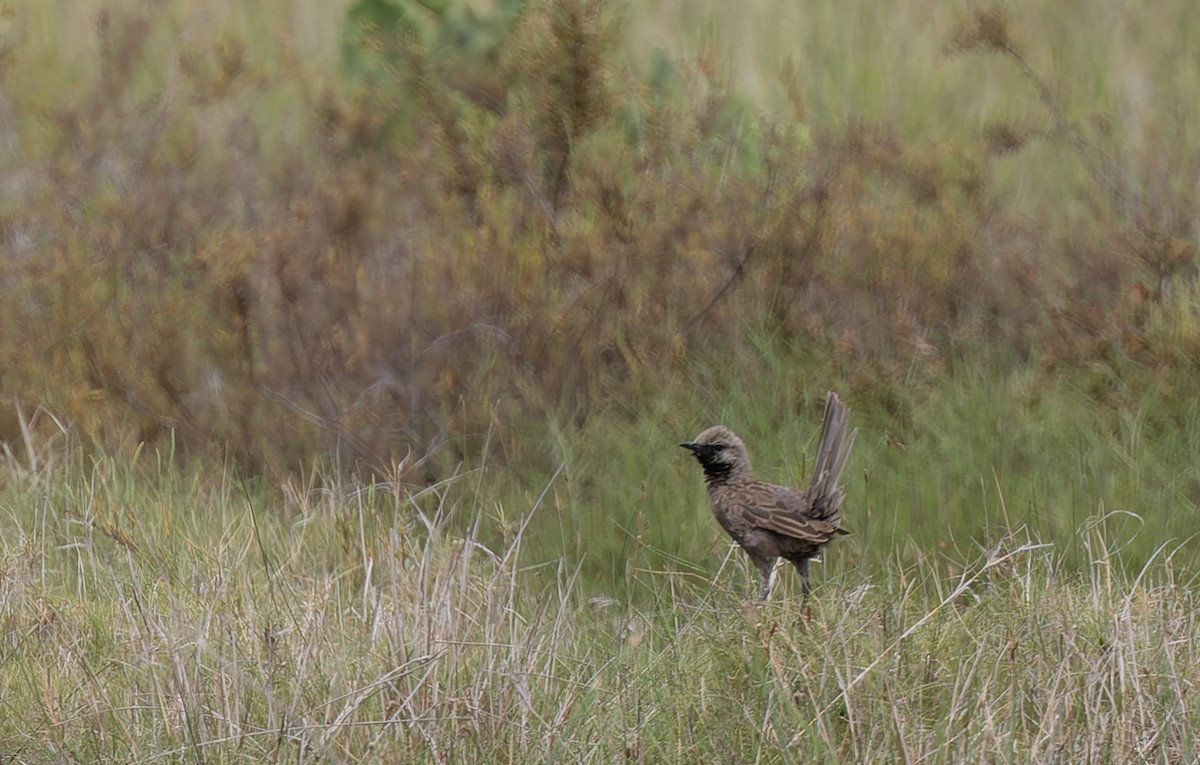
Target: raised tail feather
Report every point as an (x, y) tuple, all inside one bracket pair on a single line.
[(832, 451)]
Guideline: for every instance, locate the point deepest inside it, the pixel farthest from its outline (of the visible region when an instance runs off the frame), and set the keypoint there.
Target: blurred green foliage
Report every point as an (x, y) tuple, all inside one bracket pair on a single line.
[(492, 224)]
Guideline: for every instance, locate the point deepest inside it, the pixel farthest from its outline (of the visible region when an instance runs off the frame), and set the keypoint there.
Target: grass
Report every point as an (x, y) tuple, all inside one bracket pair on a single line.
[(160, 614)]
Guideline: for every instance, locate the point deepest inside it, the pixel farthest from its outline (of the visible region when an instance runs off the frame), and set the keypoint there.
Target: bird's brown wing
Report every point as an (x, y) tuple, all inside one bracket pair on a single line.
[(795, 501), (780, 509), (797, 527)]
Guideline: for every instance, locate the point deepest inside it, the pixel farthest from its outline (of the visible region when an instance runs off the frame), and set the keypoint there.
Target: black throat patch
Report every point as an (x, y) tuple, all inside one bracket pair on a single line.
[(716, 470)]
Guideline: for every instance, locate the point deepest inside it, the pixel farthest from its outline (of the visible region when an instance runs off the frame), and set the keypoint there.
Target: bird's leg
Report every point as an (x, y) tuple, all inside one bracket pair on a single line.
[(802, 567), (805, 588), (766, 568)]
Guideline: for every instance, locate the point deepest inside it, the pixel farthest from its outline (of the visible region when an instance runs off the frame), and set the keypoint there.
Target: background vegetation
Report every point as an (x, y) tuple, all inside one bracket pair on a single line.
[(344, 348)]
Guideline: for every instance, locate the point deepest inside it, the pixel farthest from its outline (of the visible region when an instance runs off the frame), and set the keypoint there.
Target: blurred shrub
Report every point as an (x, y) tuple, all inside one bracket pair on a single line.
[(495, 219)]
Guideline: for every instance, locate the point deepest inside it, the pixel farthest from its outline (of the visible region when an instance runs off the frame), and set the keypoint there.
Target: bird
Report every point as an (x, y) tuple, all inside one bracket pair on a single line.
[(769, 521)]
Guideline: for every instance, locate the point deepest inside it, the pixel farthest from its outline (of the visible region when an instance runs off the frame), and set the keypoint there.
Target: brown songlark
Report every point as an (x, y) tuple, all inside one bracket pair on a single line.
[(769, 521)]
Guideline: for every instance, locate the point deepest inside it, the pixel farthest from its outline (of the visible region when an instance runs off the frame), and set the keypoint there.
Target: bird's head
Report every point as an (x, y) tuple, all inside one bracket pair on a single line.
[(721, 453)]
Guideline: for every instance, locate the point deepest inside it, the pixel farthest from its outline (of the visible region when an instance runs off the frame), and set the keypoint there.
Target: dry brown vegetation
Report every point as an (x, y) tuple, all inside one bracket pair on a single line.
[(252, 260)]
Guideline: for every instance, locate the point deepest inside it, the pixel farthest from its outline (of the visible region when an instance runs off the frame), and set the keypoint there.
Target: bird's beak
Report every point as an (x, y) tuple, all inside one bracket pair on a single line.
[(691, 446)]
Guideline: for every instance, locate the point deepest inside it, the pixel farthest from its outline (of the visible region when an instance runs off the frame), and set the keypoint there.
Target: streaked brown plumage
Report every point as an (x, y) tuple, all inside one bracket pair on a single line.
[(769, 521)]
